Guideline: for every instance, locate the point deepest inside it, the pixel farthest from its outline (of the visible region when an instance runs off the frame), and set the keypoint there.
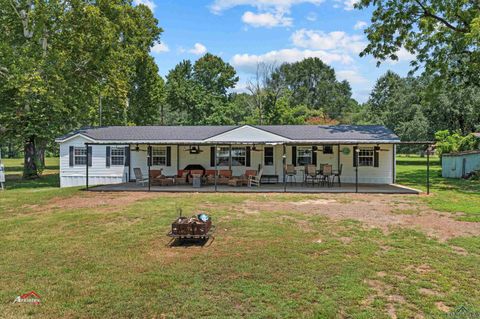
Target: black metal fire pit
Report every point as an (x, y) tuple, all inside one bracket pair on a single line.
[(198, 227)]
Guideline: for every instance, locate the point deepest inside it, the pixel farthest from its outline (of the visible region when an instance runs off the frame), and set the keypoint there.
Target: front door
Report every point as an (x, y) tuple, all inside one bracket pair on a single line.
[(268, 160)]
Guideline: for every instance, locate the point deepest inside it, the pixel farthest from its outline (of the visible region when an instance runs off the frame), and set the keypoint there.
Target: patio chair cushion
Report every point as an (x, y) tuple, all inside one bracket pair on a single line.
[(196, 172), (162, 181), (155, 172), (179, 180), (250, 172), (225, 173), (210, 172), (182, 173)]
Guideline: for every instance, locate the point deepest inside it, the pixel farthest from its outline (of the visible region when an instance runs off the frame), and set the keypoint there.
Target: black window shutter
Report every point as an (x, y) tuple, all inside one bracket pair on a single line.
[(107, 157), (89, 157), (355, 156), (314, 155), (212, 156), (169, 156), (127, 155), (375, 156), (70, 156), (247, 156), (294, 155), (149, 156)]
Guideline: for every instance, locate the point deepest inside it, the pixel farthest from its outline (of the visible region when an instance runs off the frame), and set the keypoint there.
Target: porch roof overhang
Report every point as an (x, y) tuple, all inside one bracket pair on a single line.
[(290, 142)]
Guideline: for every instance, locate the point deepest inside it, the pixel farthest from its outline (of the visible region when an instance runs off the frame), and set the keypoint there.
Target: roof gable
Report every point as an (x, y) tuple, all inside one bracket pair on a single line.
[(246, 134)]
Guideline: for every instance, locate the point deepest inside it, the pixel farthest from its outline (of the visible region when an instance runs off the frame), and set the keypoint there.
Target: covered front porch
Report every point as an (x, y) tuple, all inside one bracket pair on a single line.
[(266, 188), (355, 168)]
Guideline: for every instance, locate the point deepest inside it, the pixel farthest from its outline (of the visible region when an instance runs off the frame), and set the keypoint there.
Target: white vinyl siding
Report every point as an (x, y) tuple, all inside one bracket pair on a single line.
[(98, 172)]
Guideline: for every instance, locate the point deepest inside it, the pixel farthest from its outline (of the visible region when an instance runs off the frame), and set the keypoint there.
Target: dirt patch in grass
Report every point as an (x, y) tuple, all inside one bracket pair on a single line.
[(97, 200), (460, 250), (383, 290), (379, 211), (429, 292), (442, 307)]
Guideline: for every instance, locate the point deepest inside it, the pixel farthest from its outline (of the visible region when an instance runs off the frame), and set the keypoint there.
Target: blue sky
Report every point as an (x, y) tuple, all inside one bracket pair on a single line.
[(245, 32)]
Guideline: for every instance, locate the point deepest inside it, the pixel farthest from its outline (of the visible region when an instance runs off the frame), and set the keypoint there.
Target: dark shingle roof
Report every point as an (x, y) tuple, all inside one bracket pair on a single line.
[(333, 133), (149, 133), (200, 133)]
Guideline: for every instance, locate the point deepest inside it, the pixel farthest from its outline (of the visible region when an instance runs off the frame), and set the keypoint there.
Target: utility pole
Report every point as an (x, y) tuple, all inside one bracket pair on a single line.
[(100, 108)]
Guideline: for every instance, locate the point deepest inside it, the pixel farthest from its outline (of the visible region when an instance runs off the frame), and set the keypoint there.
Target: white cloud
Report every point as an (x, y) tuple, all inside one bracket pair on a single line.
[(160, 48), (335, 41), (311, 16), (268, 19), (360, 25), (240, 87), (248, 62), (198, 49), (348, 4), (271, 13), (403, 56), (148, 3), (352, 76), (278, 5)]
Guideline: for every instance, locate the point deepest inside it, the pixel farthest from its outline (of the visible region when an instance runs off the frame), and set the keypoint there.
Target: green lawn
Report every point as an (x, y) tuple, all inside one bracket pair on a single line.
[(89, 257), (447, 194)]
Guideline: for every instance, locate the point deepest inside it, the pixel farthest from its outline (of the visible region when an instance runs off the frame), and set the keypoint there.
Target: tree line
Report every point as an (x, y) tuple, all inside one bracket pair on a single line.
[(75, 63)]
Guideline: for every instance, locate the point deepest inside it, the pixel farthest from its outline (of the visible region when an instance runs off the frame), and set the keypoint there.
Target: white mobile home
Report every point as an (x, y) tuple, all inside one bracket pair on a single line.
[(112, 155)]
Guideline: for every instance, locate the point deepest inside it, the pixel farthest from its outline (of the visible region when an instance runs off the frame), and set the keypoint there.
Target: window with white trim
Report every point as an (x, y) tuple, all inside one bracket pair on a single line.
[(159, 156), (80, 155), (223, 156), (366, 156), (239, 156), (117, 156), (304, 155)]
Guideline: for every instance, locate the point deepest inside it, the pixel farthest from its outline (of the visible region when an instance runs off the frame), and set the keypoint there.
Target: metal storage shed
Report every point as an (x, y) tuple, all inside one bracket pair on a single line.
[(457, 165)]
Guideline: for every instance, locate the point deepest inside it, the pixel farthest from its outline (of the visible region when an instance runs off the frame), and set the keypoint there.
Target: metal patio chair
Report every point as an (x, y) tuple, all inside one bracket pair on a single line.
[(311, 174), (291, 173), (337, 174), (327, 175)]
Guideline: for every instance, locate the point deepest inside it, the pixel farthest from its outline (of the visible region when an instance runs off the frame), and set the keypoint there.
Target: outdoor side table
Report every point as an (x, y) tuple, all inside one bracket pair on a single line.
[(196, 181)]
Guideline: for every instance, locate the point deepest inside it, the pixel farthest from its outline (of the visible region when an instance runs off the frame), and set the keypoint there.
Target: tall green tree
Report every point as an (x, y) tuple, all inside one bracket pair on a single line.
[(199, 93), (443, 35), (314, 84), (147, 94), (396, 102), (59, 57)]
